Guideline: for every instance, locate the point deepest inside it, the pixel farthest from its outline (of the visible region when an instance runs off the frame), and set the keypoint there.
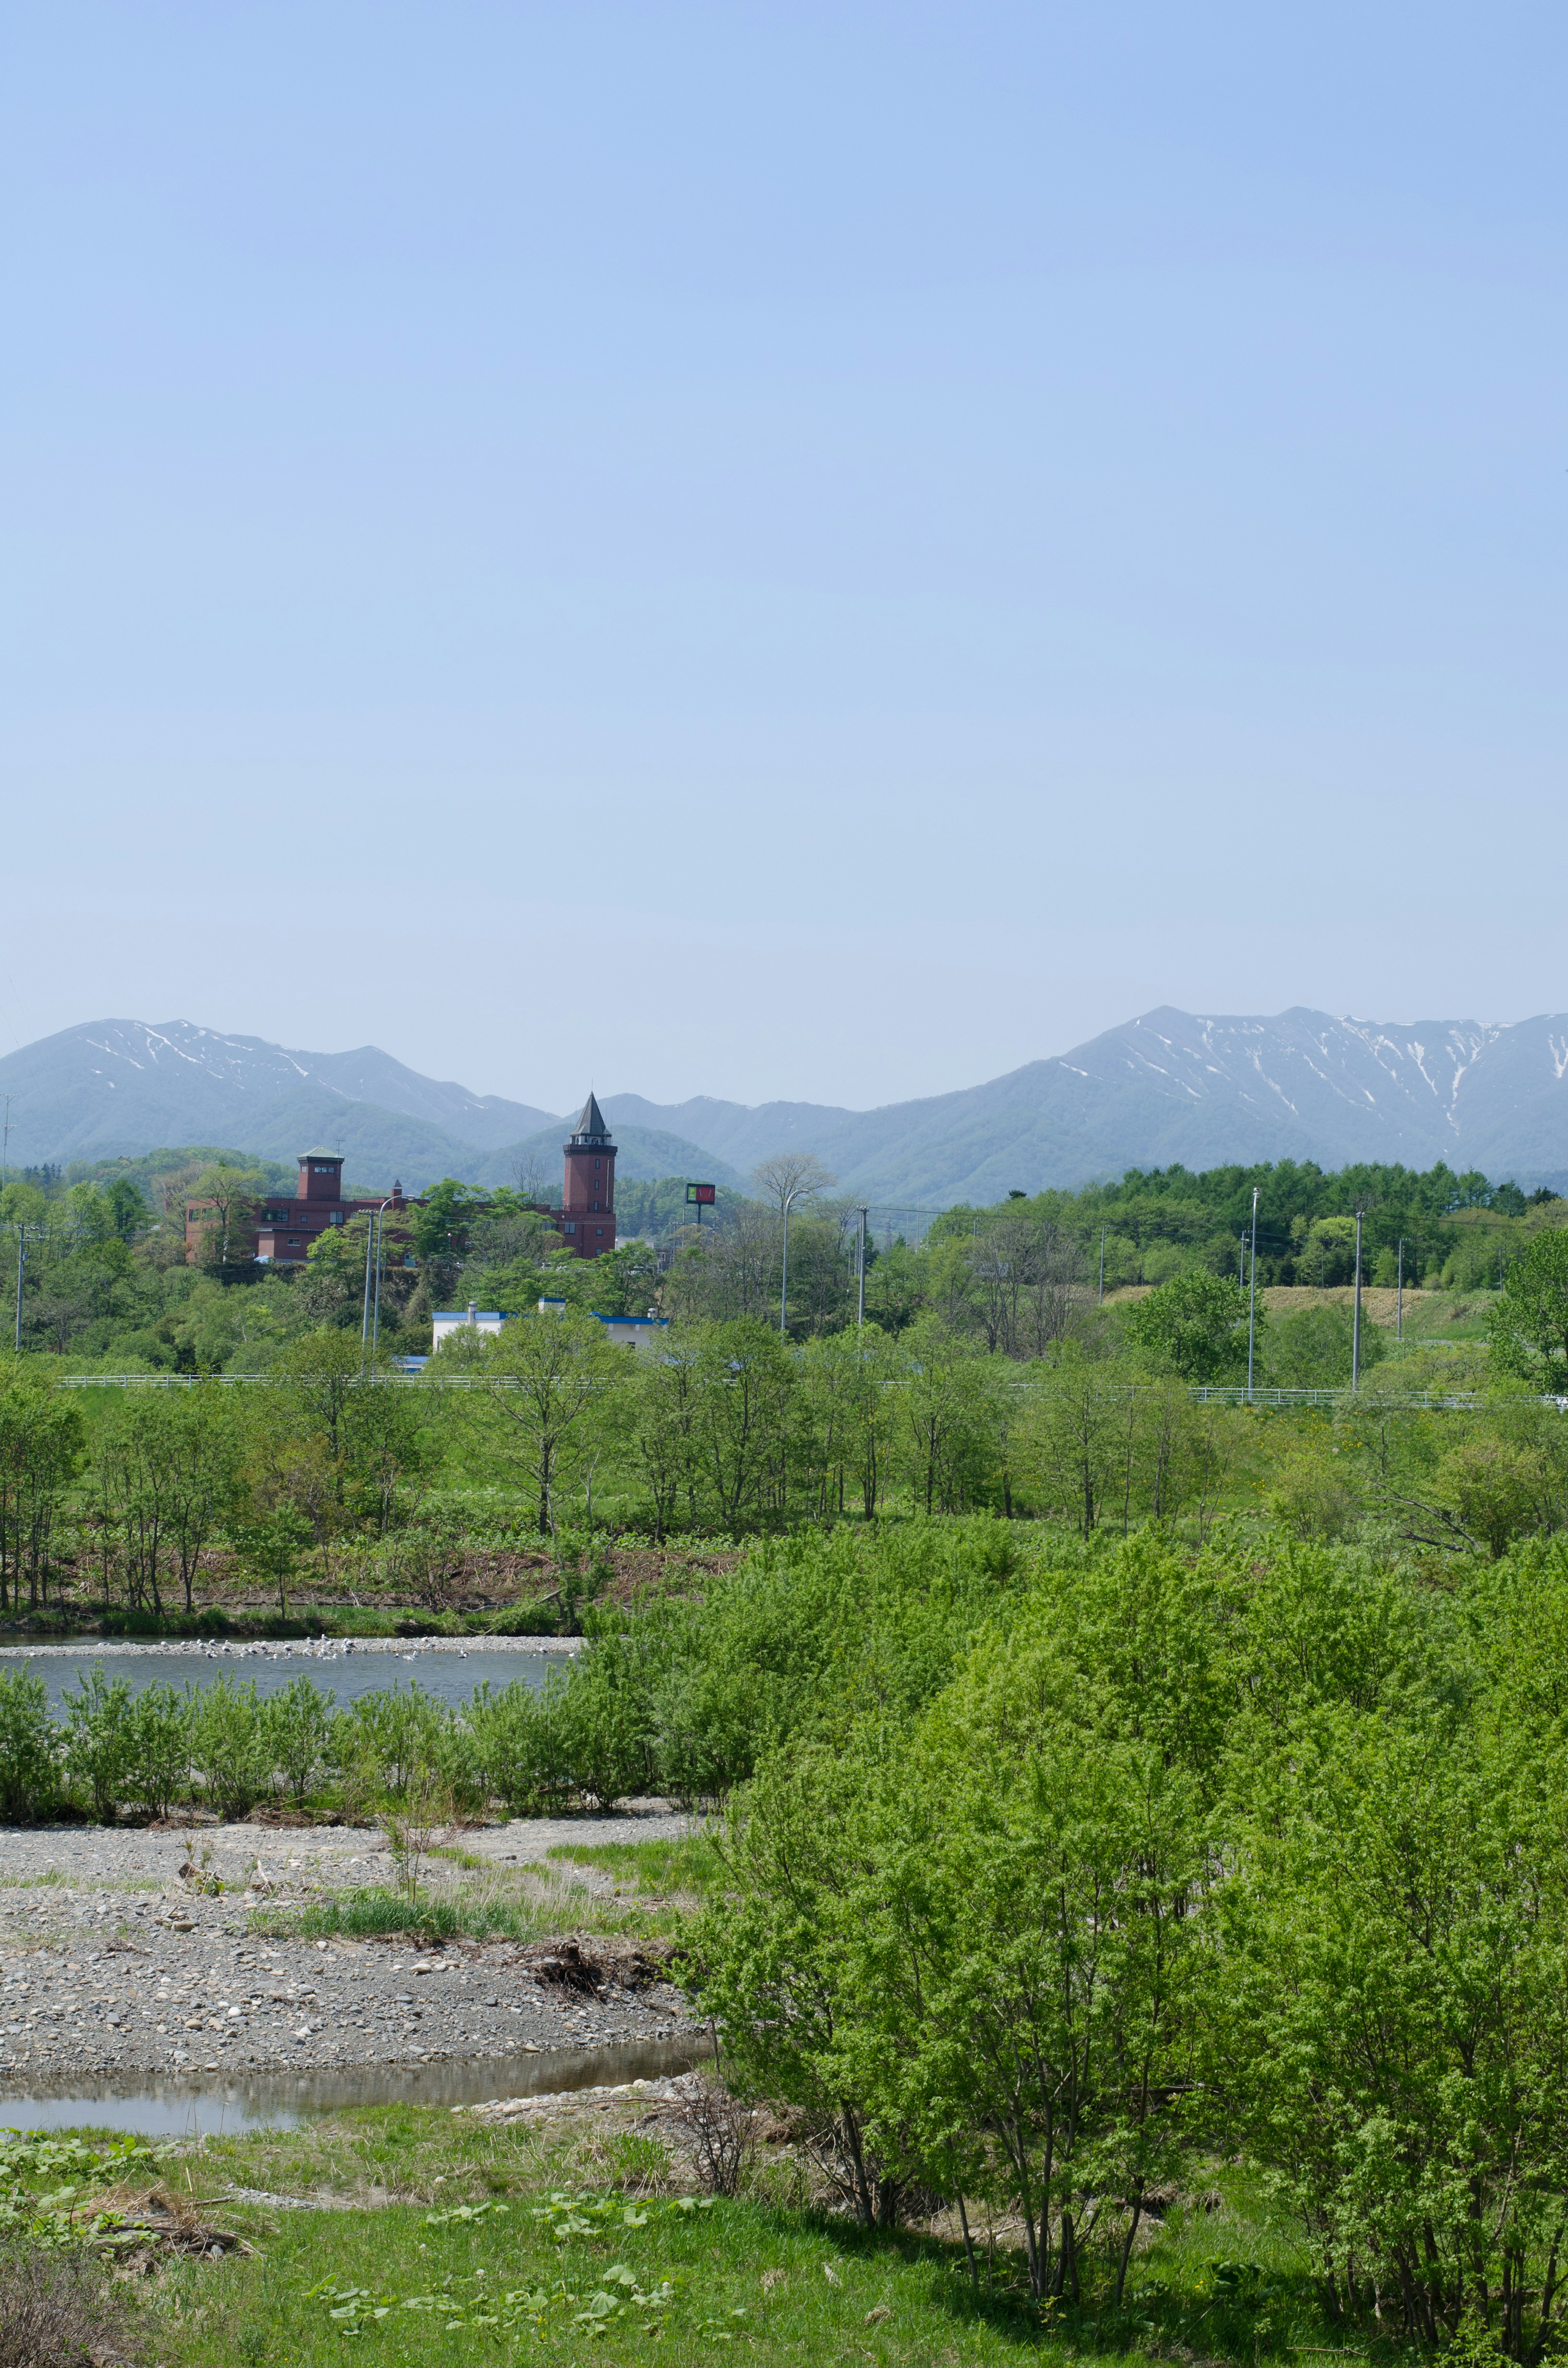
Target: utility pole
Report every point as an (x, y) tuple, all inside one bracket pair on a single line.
[(23, 1231), (6, 1145), (376, 1304), (1356, 1321), (1252, 1300), (1399, 1301), (367, 1340), (860, 1262), (1101, 1300)]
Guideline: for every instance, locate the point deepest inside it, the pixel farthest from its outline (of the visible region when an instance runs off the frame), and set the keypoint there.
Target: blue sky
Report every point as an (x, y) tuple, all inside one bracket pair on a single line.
[(819, 551)]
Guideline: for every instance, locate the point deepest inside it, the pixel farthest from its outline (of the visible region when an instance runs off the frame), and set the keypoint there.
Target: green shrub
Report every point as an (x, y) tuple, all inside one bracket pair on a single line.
[(96, 1746), (516, 1752), (526, 1619), (28, 1745), (157, 1749), (601, 1716), (297, 1727), (385, 1735), (228, 1747)]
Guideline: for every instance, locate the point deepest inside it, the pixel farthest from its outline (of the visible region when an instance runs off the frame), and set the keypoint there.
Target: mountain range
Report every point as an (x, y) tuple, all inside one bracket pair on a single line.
[(1169, 1086)]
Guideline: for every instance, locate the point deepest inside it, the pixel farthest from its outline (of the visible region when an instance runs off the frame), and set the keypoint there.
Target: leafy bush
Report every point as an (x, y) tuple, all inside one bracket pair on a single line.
[(157, 1749), (386, 1734), (96, 1746), (28, 1745), (601, 1722), (516, 1749), (228, 1747), (297, 1725)]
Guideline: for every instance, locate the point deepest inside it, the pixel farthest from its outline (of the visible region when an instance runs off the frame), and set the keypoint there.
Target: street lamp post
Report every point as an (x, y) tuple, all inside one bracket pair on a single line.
[(785, 1207), (1399, 1301), (860, 1318), (1252, 1297), (1356, 1320)]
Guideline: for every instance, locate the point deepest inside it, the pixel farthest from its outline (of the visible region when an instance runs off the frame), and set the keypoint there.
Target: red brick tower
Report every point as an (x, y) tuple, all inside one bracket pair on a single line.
[(588, 1204)]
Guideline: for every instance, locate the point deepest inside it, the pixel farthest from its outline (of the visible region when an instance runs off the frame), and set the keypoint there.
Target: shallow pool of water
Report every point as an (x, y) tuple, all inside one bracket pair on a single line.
[(451, 1673), (172, 2107)]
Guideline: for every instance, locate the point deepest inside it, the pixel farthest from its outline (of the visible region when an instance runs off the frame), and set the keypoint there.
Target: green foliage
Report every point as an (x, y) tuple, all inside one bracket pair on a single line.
[(29, 1748), (41, 1449), (157, 1749), (229, 1746), (1258, 1847), (298, 1730), (97, 1741), (1194, 1326), (1314, 1349), (1528, 1325)]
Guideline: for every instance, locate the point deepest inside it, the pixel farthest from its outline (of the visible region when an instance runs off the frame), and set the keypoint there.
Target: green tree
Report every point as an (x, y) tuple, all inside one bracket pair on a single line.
[(40, 1452), (441, 1221), (227, 1199), (1527, 1328), (666, 1396), (1313, 1351), (1395, 2039), (547, 1390), (1196, 1327), (1072, 1441), (944, 1417), (169, 1466), (746, 1378)]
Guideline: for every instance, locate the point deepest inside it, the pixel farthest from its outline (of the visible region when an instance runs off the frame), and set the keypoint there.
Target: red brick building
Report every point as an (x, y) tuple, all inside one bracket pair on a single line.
[(283, 1229), (587, 1202)]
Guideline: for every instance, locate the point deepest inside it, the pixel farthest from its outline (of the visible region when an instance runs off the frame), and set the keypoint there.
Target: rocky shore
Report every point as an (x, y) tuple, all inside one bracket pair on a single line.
[(111, 1964)]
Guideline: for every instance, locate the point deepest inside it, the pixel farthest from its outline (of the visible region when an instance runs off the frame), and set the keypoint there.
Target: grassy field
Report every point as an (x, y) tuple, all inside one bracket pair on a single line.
[(409, 2235)]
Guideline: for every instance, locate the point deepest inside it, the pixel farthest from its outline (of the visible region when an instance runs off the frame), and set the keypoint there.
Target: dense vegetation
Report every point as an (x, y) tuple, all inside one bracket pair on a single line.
[(1057, 1878), (1056, 1881), (1010, 1389), (106, 1280), (1119, 1780)]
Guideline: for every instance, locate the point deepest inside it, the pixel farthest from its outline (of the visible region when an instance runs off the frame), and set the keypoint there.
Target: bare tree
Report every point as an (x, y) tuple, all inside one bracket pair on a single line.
[(787, 1180), (1025, 1272), (726, 1270), (529, 1174), (790, 1179)]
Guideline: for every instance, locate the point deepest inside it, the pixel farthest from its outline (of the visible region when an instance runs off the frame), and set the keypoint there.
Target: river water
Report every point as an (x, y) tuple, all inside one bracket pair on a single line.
[(448, 1670), (159, 2107)]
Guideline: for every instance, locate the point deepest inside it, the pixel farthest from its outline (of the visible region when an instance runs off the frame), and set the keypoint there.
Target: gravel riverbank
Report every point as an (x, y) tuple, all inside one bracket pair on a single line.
[(110, 1966)]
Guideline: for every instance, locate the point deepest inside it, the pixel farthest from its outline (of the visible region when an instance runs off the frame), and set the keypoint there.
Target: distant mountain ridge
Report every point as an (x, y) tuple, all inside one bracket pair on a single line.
[(1169, 1086)]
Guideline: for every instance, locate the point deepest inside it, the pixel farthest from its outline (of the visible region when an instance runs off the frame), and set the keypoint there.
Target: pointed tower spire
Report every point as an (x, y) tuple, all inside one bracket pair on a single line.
[(590, 1126)]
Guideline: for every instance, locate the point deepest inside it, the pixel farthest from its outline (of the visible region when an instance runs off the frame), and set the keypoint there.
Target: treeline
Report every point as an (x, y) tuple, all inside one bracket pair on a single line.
[(105, 1277), (330, 1475)]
